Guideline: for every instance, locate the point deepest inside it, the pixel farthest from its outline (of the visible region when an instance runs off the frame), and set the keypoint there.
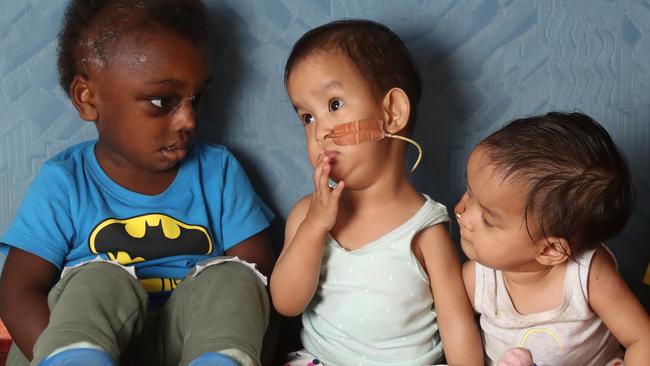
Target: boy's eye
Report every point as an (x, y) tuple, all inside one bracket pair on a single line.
[(166, 104), (307, 118), (196, 102), (335, 104)]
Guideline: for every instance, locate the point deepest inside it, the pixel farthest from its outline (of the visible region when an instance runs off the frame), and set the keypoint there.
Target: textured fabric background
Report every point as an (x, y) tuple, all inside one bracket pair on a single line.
[(484, 62)]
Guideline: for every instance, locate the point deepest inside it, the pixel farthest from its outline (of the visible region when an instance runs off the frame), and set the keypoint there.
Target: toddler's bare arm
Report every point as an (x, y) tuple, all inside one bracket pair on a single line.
[(296, 275), (458, 330)]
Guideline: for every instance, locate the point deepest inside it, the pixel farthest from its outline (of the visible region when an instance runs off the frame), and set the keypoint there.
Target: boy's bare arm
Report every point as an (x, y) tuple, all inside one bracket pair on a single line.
[(24, 286), (458, 329), (620, 310), (256, 249)]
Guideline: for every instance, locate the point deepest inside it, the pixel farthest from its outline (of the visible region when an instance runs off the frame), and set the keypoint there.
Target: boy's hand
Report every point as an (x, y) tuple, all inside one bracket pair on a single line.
[(324, 205)]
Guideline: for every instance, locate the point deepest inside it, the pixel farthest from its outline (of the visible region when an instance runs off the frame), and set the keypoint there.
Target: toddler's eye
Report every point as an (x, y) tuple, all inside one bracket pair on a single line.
[(307, 118), (335, 104)]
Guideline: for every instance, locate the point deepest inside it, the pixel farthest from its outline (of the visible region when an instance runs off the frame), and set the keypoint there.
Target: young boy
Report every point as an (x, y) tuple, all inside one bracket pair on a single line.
[(110, 227)]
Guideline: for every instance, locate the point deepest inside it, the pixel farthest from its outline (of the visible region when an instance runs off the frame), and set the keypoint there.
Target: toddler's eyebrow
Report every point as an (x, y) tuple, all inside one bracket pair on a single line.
[(333, 84), (317, 92)]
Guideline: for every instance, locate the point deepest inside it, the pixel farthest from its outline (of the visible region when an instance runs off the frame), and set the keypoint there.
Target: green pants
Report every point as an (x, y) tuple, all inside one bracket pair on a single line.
[(225, 307)]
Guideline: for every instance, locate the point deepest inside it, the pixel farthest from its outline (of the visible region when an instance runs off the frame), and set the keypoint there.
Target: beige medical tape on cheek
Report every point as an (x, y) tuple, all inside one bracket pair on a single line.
[(367, 130)]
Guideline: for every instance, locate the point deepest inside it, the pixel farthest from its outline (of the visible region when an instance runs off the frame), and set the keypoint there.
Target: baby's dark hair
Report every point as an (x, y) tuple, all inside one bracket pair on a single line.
[(579, 182), (91, 26), (380, 55)]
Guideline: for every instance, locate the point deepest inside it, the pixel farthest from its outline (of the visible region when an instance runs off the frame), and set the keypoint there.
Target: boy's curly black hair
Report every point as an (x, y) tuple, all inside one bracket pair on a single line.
[(91, 26), (580, 187), (378, 53)]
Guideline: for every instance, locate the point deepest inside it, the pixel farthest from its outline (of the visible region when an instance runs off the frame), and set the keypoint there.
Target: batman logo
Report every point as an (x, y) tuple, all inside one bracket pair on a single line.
[(147, 237)]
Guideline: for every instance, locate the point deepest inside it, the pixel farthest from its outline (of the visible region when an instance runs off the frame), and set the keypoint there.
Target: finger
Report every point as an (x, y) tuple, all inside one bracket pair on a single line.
[(336, 192), (318, 172), (324, 177)]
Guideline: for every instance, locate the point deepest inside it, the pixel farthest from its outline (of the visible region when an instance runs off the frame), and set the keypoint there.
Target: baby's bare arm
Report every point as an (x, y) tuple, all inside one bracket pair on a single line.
[(619, 309), (458, 330), (24, 286)]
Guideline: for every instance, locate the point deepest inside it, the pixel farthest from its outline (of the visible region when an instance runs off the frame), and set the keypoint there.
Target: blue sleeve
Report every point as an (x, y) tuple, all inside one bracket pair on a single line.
[(43, 224), (244, 213)]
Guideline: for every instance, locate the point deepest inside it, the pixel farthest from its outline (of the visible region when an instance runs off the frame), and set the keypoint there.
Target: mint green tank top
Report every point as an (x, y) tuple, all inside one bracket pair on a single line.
[(373, 305)]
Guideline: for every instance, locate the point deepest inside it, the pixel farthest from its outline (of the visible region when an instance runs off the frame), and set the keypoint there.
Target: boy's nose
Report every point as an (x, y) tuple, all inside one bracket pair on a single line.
[(184, 117)]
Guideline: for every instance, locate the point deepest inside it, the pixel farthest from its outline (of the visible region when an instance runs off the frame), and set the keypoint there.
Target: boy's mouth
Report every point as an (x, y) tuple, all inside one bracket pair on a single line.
[(175, 152)]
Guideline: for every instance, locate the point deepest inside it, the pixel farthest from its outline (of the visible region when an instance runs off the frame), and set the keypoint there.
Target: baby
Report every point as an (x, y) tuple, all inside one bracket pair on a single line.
[(543, 194)]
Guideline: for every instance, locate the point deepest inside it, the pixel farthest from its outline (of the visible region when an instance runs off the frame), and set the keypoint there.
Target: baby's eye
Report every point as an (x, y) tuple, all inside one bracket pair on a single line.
[(307, 118), (335, 104), (486, 222)]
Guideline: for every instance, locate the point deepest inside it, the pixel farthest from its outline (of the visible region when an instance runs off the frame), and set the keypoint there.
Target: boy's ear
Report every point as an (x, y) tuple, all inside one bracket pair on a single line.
[(554, 251), (397, 109), (81, 94)]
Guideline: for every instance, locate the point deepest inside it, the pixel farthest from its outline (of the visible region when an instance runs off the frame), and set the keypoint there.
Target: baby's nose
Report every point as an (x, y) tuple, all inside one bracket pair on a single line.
[(459, 209)]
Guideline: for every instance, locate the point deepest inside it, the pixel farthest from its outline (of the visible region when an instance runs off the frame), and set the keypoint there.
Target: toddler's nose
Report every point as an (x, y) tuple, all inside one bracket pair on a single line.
[(323, 129)]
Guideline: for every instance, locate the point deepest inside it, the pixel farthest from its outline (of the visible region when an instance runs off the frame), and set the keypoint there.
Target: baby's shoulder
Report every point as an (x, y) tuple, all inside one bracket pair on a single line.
[(600, 262)]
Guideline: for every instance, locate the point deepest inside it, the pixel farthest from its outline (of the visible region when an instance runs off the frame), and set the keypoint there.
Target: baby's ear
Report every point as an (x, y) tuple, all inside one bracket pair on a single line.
[(81, 94), (554, 251), (396, 110)]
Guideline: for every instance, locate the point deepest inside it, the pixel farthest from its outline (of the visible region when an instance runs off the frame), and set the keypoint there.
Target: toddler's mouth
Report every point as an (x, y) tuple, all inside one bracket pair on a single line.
[(330, 153)]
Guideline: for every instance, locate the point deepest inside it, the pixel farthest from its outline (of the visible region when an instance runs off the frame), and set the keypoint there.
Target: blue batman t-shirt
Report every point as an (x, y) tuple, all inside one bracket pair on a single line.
[(73, 212)]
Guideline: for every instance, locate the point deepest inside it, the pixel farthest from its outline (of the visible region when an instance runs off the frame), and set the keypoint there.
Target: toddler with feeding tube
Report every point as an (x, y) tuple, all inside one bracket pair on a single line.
[(369, 264)]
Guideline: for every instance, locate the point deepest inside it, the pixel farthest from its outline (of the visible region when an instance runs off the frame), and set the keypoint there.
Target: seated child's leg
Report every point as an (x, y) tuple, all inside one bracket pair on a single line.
[(224, 308), (97, 303), (16, 357)]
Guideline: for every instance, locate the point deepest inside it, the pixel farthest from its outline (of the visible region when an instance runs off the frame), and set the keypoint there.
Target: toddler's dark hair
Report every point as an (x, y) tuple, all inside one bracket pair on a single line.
[(95, 24), (380, 55), (580, 185)]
